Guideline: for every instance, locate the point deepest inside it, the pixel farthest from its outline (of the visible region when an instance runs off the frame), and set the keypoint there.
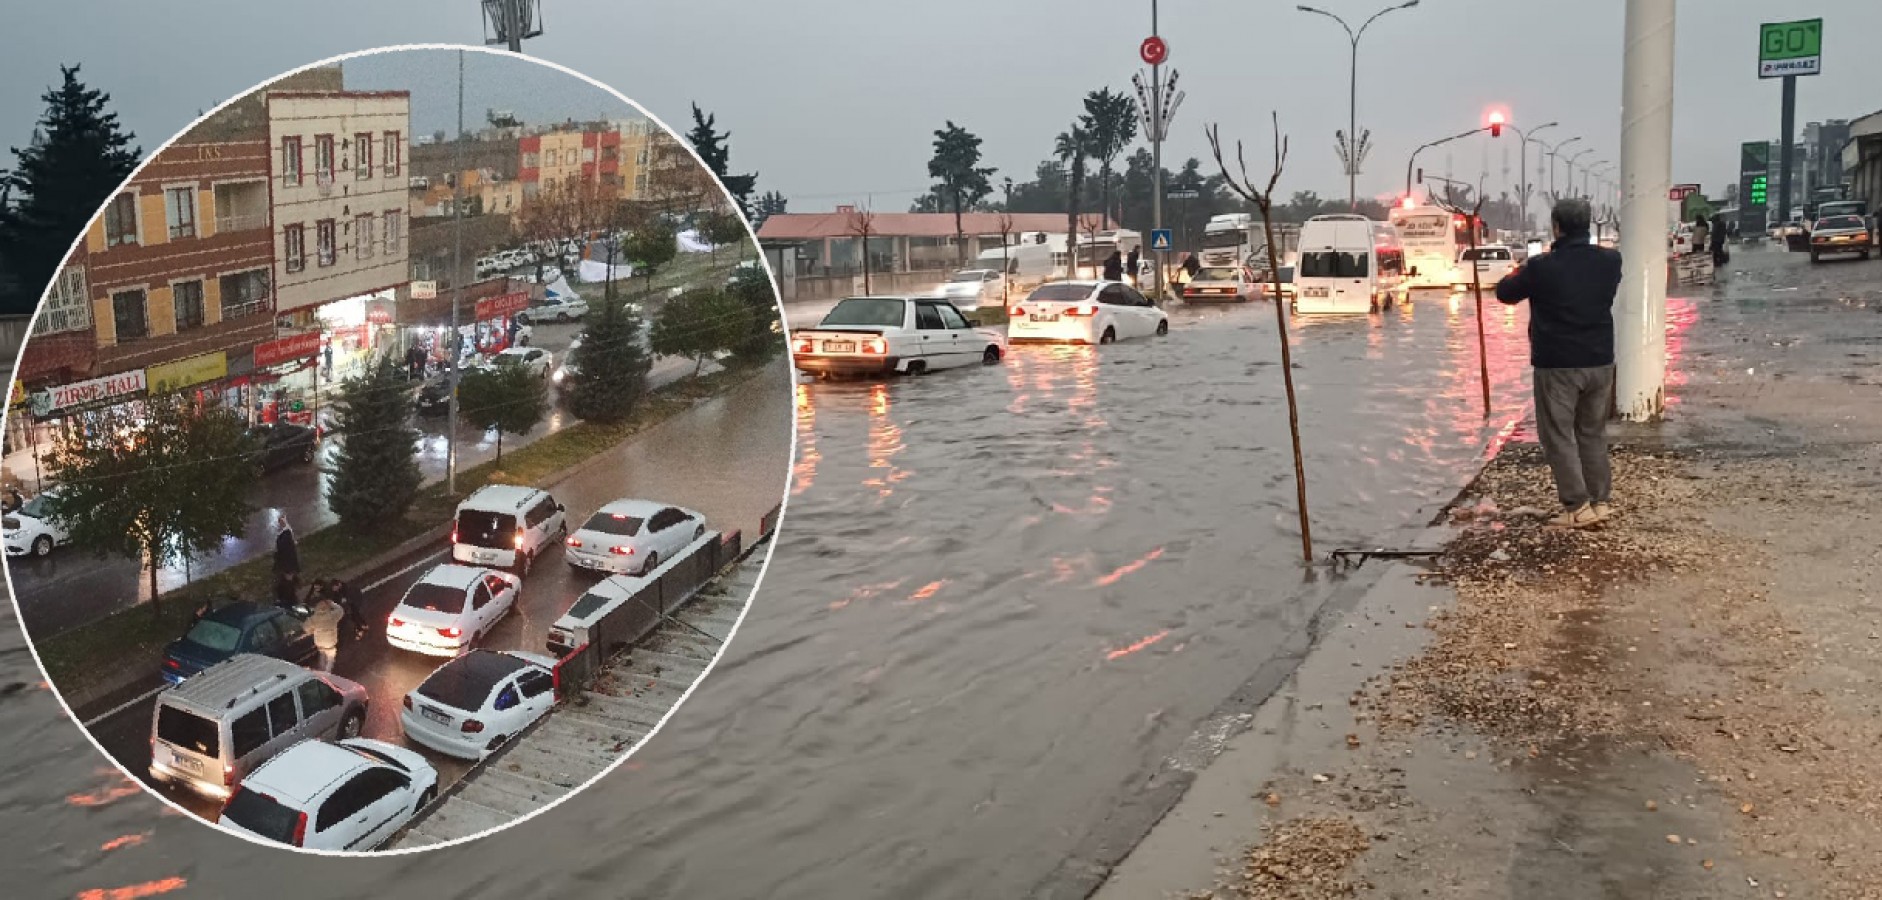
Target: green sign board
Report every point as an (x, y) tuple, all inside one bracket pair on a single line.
[(1758, 185), (1786, 49)]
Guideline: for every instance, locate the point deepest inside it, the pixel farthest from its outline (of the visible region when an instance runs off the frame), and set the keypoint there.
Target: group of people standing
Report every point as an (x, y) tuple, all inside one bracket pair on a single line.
[(329, 601), (1708, 236)]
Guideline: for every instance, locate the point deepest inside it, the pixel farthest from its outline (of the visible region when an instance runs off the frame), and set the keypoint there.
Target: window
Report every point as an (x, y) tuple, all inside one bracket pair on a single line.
[(282, 718), (188, 299), (531, 160), (1133, 298), (127, 314), (325, 241), (362, 156), (350, 798), (246, 293), (189, 731), (480, 596), (264, 637), (67, 307), (951, 317), (535, 684), (179, 211), (291, 161), (927, 317), (395, 222), (121, 220), (548, 157), (316, 697), (362, 236), (393, 152), (1333, 264), (249, 732), (508, 699), (294, 247), (1113, 296), (323, 159), (588, 154)]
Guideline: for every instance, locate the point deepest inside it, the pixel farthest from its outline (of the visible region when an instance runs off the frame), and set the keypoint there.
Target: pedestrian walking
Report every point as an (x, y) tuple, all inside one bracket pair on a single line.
[(1114, 267), (1136, 263), (1571, 291), (324, 624), (415, 361), (1701, 234), (287, 562), (326, 356), (1717, 237), (351, 602)]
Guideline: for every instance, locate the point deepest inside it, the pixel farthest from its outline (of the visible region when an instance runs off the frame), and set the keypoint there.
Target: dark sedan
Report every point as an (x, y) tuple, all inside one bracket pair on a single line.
[(434, 399), (241, 627), (284, 444)]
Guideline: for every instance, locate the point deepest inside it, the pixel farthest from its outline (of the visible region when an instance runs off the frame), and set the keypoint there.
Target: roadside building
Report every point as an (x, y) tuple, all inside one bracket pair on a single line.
[(831, 243), (571, 153), (1862, 160)]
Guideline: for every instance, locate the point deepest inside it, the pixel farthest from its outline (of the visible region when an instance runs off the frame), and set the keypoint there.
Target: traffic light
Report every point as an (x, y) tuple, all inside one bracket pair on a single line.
[(1496, 124)]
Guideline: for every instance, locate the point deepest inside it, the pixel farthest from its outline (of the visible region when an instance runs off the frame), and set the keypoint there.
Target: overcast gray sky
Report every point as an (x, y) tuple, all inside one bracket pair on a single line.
[(535, 93), (831, 100)]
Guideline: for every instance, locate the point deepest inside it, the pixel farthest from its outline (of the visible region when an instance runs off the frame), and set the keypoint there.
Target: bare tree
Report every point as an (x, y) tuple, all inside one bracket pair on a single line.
[(862, 224), (1005, 222), (1263, 199)]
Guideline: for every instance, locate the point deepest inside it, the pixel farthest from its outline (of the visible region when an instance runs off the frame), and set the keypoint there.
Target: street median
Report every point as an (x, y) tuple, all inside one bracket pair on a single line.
[(101, 660)]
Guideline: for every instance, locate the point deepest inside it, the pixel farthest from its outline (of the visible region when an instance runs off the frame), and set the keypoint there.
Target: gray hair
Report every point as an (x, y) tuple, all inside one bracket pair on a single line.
[(1572, 215)]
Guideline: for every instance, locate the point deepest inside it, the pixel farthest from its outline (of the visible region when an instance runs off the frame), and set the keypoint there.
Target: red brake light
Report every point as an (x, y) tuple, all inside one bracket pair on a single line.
[(300, 829), (453, 534), (408, 701), (519, 538), (1083, 309), (1016, 311), (573, 542), (875, 346), (805, 345), (451, 632), (471, 726), (621, 551), (395, 622), (172, 664), (1408, 203)]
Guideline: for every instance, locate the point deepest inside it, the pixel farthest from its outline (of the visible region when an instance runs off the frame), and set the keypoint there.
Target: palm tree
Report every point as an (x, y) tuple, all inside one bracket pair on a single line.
[(1110, 121), (1073, 148)]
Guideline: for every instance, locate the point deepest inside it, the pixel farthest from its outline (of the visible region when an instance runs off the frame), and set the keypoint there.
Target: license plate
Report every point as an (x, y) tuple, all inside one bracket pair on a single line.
[(1044, 317), (839, 346), (434, 715), (1316, 292), (183, 762), (486, 557)]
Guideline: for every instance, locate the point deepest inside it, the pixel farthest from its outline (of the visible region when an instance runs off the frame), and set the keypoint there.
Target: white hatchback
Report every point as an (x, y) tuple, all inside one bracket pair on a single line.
[(472, 704), (631, 537), (451, 608), (1085, 312), (30, 529), (350, 797)]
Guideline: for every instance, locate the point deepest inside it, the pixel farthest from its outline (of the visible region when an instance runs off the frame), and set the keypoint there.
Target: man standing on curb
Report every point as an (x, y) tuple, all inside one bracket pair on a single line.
[(1571, 290)]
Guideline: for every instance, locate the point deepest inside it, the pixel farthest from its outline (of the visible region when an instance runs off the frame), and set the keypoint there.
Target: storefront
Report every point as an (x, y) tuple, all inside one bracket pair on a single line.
[(353, 330), (285, 384), (496, 328), (93, 407)]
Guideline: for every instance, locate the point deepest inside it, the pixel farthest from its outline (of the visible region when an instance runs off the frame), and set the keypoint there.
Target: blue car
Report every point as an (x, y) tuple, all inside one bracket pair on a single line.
[(242, 627)]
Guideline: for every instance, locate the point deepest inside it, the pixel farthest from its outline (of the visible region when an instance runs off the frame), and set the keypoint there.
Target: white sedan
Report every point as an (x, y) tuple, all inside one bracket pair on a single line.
[(348, 797), (631, 537), (536, 360), (1085, 312), (475, 702), (556, 309), (450, 608), (30, 530), (883, 335), (1235, 284)]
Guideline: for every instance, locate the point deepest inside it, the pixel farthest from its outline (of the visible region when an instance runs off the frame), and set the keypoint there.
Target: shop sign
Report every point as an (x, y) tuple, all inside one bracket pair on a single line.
[(378, 312), (424, 290), (502, 305), (188, 372), (277, 352), (66, 396)]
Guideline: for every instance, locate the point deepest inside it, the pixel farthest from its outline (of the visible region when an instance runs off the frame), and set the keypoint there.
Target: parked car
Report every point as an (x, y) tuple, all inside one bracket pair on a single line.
[(535, 360), (556, 309), (505, 526), (633, 536), (30, 529), (882, 335), (209, 732), (1085, 312), (472, 704), (352, 795), (970, 287), (1491, 263), (283, 444), (242, 627), (450, 608), (1840, 234), (1232, 283), (434, 399)]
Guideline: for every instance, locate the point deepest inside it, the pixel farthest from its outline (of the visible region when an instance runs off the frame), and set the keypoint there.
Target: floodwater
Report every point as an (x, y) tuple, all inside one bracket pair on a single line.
[(1002, 597)]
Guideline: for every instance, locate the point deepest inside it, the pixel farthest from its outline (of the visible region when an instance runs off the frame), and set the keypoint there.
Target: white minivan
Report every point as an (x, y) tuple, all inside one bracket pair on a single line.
[(504, 526), (1349, 264)]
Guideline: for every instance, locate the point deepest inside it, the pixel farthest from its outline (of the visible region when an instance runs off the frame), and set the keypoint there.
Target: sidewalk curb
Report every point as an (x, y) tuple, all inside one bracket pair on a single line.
[(384, 562)]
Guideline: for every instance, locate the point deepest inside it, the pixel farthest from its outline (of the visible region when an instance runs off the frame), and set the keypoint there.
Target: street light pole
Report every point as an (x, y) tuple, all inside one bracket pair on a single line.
[(1552, 154), (1570, 163), (1352, 105), (1423, 147), (1525, 189), (1646, 176), (457, 287)]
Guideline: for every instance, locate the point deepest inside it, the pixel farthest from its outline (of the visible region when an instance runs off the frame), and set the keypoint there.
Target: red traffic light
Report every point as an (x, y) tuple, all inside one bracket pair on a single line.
[(1408, 202), (1496, 124)]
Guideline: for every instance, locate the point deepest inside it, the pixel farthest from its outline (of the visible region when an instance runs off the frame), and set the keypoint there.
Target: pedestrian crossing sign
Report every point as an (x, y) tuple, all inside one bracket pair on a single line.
[(1160, 239)]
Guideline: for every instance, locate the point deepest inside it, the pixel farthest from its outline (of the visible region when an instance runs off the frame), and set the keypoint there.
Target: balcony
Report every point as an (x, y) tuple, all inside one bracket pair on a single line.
[(241, 207), (226, 224)]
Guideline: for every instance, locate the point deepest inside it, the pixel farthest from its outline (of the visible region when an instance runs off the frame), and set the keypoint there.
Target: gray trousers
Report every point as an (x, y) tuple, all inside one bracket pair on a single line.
[(1571, 420)]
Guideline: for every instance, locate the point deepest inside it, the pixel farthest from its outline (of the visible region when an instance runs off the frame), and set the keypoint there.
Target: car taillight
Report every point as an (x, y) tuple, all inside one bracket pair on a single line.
[(519, 538), (300, 829), (621, 551), (454, 535), (471, 726), (394, 622), (573, 542), (875, 346), (408, 701), (1083, 310), (228, 775), (1016, 311), (805, 345), (451, 632), (172, 664)]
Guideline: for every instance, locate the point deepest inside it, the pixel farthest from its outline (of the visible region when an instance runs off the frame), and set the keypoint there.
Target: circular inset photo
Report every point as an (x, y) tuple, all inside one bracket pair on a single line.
[(396, 449)]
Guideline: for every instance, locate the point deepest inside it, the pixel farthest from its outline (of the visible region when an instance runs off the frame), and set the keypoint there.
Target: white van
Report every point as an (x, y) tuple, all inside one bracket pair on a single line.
[(1028, 264), (1349, 264)]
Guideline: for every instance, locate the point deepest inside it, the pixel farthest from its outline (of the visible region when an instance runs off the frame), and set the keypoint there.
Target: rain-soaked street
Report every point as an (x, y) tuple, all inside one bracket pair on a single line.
[(1003, 597)]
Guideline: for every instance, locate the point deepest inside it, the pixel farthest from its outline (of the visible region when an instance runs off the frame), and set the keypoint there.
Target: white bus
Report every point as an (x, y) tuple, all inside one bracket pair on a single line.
[(1433, 239)]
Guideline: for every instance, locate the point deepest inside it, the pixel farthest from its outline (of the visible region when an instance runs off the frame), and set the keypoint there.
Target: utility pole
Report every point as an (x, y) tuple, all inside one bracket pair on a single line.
[(1646, 176), (1354, 143), (1786, 150), (456, 352)]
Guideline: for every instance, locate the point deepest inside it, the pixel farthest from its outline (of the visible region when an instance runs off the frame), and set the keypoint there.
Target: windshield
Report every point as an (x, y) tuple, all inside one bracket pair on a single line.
[(1060, 292), (1333, 264), (36, 508), (1840, 222), (1216, 273), (188, 731), (263, 815), (1230, 238), (435, 597), (215, 635), (588, 604), (866, 311), (491, 531), (613, 523)]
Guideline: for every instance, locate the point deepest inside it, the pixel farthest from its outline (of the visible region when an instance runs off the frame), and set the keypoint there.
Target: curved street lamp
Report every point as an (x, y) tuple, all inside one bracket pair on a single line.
[(1569, 163), (1553, 151), (1352, 107), (1523, 186)]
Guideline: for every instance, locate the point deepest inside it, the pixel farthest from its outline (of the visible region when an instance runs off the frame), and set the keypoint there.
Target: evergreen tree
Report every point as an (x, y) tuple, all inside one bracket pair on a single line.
[(711, 147), (752, 287), (506, 397), (77, 158), (769, 203), (650, 247), (167, 487), (375, 476), (609, 370), (722, 229), (699, 323), (964, 182)]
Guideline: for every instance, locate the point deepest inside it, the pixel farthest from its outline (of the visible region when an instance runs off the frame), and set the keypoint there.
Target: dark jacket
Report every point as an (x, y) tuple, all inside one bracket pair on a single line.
[(287, 555), (1570, 290), (1114, 267)]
